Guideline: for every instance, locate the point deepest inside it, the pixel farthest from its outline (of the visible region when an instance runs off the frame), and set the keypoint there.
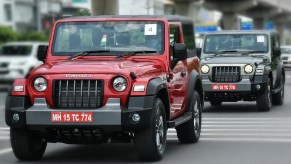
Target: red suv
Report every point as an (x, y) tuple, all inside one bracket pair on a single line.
[(110, 79)]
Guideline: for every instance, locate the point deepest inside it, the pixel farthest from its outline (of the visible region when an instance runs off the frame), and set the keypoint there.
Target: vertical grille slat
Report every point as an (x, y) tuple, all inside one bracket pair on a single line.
[(78, 93), (226, 74)]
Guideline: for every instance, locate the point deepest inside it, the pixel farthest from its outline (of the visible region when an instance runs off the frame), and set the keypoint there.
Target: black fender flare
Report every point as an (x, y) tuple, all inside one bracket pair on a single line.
[(193, 76), (155, 85)]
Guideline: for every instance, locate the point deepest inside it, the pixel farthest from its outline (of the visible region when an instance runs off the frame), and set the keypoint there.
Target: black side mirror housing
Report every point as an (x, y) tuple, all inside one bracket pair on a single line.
[(198, 52), (41, 52), (179, 53), (277, 51)]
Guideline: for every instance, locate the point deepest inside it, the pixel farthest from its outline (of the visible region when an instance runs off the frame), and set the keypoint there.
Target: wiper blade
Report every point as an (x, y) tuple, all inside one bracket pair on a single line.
[(223, 52), (252, 52), (86, 53), (132, 53)]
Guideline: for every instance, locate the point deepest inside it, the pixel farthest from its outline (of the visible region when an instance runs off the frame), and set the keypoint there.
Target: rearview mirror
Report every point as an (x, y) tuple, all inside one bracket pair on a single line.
[(41, 52), (179, 53), (277, 51), (198, 52)]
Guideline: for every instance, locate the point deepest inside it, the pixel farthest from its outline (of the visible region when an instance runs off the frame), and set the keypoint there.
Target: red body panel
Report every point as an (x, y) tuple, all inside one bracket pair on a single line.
[(108, 67)]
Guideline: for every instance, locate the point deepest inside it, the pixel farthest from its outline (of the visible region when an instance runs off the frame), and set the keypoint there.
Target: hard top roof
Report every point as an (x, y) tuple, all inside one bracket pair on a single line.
[(269, 32), (170, 18)]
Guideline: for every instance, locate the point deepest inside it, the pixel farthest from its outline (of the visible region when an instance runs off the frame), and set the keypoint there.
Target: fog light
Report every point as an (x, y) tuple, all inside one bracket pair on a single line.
[(258, 87), (15, 117), (135, 118)]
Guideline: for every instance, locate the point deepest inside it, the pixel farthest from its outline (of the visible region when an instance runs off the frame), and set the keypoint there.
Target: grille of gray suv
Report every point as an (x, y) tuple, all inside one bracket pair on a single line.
[(226, 74), (78, 93)]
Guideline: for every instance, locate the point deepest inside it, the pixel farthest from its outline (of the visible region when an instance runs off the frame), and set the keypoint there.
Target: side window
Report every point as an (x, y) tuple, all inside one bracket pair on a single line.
[(174, 38)]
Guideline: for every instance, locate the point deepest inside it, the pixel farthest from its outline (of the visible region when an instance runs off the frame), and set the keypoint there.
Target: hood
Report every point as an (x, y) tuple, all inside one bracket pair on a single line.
[(233, 60), (111, 66)]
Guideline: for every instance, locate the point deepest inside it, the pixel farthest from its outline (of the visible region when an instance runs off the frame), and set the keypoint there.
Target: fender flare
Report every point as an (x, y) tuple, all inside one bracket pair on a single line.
[(193, 77), (155, 85)]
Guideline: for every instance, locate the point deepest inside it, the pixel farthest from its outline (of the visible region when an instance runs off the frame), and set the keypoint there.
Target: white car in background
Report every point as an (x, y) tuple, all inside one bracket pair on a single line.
[(286, 55), (17, 59)]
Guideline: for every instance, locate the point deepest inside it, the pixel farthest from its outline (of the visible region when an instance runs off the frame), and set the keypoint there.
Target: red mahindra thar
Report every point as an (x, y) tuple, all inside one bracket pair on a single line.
[(109, 79)]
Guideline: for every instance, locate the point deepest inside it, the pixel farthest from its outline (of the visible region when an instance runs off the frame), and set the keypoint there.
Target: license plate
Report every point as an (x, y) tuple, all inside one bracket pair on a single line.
[(224, 87), (86, 117)]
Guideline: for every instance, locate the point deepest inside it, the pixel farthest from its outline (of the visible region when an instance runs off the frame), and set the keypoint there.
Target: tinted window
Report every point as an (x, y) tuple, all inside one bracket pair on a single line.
[(188, 35), (119, 36), (16, 50), (236, 42)]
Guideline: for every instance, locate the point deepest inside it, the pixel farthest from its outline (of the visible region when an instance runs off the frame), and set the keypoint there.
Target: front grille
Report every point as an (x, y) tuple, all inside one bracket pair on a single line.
[(284, 58), (78, 93), (226, 74), (3, 65)]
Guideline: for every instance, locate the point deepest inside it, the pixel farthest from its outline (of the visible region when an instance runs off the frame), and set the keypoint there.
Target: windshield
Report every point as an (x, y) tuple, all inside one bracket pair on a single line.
[(118, 36), (17, 50), (286, 51), (236, 42)]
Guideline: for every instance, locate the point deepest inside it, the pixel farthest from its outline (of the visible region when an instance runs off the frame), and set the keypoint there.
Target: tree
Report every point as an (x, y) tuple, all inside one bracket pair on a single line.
[(82, 12), (7, 34)]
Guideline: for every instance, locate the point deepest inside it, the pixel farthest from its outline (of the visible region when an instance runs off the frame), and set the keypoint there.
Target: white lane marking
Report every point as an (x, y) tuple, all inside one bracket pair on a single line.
[(288, 76), (4, 137), (253, 122), (249, 126), (248, 130), (247, 134), (245, 140), (4, 151), (4, 128)]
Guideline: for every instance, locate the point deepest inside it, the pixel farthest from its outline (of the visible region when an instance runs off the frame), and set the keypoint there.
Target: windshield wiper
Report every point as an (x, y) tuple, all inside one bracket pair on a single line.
[(132, 53), (223, 52), (252, 52), (86, 53)]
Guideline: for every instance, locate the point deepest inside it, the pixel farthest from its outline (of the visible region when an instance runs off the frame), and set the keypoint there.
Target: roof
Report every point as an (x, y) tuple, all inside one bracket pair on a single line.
[(243, 32), (170, 18)]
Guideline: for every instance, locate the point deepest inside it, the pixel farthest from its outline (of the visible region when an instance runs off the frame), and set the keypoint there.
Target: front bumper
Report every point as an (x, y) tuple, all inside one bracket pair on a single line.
[(245, 89), (111, 116)]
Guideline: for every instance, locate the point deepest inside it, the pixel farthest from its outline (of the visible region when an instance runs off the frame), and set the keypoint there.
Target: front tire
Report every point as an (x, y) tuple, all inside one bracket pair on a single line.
[(27, 145), (189, 132), (264, 100), (151, 142)]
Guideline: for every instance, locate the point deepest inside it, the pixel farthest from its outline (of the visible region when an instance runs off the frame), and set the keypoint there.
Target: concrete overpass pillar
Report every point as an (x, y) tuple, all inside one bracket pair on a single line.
[(280, 29), (104, 7), (230, 21), (259, 23), (182, 8)]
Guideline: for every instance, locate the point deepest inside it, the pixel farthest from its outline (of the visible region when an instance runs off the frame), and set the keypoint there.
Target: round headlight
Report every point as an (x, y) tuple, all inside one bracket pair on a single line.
[(248, 69), (40, 84), (119, 84), (205, 69)]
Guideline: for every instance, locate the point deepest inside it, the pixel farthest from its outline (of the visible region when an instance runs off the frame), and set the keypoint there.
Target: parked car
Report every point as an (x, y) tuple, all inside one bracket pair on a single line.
[(243, 65), (17, 59), (286, 55), (110, 79)]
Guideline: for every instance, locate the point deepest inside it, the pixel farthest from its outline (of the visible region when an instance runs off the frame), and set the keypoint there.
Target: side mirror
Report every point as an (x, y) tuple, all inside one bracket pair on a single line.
[(198, 52), (277, 51), (179, 53), (41, 52)]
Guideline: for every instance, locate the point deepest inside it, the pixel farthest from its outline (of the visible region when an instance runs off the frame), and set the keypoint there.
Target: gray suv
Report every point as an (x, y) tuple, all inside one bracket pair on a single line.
[(243, 65)]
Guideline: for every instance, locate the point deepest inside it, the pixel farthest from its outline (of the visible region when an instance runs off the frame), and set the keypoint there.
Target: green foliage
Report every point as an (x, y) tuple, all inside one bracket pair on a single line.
[(33, 36), (82, 12), (7, 34)]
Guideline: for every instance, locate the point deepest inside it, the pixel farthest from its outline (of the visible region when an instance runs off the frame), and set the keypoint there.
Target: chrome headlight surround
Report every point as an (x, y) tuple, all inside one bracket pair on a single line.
[(248, 69), (205, 69), (119, 84), (40, 84)]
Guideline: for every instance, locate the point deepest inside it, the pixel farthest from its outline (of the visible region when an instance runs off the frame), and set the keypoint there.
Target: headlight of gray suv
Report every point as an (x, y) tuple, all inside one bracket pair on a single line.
[(205, 69), (248, 69), (119, 84), (40, 84)]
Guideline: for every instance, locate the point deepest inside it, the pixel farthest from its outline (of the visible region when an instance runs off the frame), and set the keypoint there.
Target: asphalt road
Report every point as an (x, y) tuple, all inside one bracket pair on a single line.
[(234, 133)]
